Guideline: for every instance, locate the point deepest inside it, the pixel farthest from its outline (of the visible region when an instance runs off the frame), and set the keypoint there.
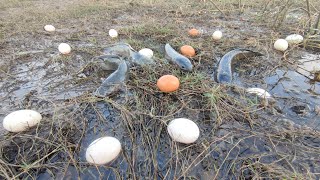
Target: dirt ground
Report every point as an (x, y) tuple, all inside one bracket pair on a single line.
[(241, 136)]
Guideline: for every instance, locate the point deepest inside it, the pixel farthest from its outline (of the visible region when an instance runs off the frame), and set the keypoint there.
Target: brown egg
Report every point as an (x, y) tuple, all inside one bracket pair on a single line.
[(168, 83), (194, 32), (188, 51)]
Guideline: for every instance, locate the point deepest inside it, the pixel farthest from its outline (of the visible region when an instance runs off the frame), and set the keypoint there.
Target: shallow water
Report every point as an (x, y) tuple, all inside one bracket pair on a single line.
[(297, 96)]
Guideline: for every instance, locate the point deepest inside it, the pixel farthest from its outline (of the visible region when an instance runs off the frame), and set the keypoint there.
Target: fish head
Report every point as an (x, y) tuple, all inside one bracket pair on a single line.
[(184, 64)]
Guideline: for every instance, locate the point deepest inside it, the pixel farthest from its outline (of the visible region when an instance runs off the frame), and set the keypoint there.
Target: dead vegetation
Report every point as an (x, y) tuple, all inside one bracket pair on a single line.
[(241, 137)]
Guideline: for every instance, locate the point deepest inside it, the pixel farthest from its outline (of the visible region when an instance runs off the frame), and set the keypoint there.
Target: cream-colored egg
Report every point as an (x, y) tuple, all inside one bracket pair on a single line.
[(294, 39), (49, 28), (21, 120), (217, 35), (183, 130), (103, 150), (146, 52), (113, 33), (260, 92), (64, 48), (281, 45)]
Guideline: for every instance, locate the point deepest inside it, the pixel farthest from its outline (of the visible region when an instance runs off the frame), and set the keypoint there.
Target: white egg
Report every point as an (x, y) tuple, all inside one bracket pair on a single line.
[(260, 92), (113, 33), (183, 130), (217, 35), (64, 48), (103, 150), (49, 28), (281, 45), (294, 39), (146, 52), (21, 120)]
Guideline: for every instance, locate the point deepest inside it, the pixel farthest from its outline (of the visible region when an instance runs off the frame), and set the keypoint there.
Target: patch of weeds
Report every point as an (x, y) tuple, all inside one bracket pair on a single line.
[(13, 4), (257, 169), (83, 11), (87, 51), (136, 43), (76, 36), (1, 36), (2, 32), (61, 58), (213, 95), (158, 32), (252, 102), (93, 40), (161, 56), (194, 79)]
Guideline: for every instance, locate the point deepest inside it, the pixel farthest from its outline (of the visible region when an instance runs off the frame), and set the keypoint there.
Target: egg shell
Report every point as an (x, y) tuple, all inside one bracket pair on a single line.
[(21, 120), (281, 45), (260, 92), (183, 130), (113, 33), (103, 150), (294, 39), (217, 35), (194, 32), (168, 83), (146, 52), (188, 51), (49, 28), (64, 48)]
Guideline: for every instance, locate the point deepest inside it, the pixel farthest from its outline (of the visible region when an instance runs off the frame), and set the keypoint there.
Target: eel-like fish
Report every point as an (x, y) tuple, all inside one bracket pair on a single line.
[(125, 51), (118, 58), (119, 49), (116, 79), (224, 72), (178, 59)]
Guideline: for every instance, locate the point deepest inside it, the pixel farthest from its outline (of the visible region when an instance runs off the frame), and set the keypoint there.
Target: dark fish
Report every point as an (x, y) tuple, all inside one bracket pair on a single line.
[(224, 72), (118, 58), (116, 79), (178, 59)]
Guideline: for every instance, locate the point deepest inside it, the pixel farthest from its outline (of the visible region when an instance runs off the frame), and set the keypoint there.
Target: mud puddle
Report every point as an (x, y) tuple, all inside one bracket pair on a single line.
[(45, 75), (296, 92), (297, 96)]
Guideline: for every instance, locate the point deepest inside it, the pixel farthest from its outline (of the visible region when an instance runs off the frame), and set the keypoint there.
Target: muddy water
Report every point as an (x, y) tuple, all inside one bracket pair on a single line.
[(297, 96), (45, 74), (296, 91)]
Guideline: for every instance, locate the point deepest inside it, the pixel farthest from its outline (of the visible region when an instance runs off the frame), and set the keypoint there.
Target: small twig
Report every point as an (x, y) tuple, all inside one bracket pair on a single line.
[(218, 8), (29, 52), (265, 7), (281, 15), (308, 12), (316, 25)]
